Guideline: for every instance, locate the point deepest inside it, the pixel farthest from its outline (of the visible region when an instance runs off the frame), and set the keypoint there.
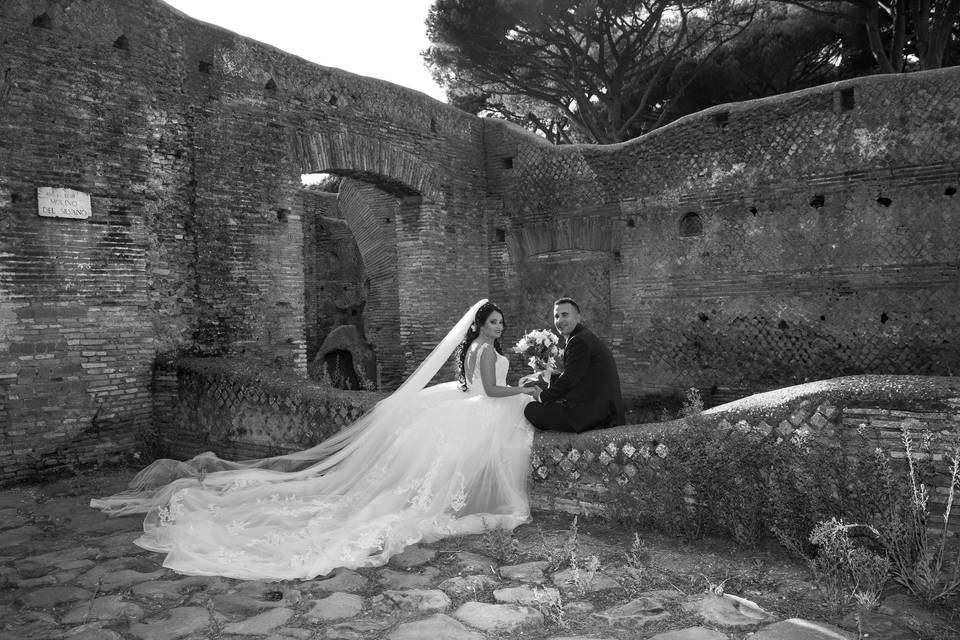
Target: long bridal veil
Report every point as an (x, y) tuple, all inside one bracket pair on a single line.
[(152, 488)]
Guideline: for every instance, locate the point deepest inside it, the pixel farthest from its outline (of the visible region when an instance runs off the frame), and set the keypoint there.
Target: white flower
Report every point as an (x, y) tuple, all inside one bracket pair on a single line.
[(661, 450)]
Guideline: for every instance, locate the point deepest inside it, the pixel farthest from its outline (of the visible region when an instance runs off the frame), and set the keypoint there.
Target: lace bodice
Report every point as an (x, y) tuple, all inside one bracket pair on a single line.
[(474, 384)]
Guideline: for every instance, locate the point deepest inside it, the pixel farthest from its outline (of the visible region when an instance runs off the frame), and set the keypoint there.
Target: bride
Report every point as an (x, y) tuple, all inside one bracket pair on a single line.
[(424, 463)]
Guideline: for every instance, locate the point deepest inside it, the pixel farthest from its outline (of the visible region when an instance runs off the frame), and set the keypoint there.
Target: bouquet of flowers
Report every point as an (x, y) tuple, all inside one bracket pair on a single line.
[(541, 349)]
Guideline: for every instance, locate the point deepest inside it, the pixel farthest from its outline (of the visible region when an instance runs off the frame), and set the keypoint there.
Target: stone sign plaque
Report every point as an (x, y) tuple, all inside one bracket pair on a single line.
[(53, 202)]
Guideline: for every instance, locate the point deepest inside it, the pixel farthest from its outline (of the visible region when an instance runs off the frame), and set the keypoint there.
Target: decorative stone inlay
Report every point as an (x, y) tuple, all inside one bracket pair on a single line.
[(818, 421)]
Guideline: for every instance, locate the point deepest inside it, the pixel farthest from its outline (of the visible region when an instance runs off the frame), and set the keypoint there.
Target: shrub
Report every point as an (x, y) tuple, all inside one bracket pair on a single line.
[(736, 483), (844, 571), (924, 554)]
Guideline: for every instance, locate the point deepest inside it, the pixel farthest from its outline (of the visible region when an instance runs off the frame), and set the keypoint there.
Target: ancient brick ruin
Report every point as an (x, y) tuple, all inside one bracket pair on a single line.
[(744, 248)]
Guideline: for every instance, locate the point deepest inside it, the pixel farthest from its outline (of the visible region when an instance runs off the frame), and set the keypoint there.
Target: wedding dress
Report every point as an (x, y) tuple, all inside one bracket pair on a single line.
[(425, 463)]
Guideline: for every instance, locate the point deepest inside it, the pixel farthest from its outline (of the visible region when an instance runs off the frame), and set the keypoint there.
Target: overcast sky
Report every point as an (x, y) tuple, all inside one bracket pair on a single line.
[(378, 38)]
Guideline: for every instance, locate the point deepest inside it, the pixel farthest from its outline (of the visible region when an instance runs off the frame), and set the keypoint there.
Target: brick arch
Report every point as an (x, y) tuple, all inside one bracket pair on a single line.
[(370, 160)]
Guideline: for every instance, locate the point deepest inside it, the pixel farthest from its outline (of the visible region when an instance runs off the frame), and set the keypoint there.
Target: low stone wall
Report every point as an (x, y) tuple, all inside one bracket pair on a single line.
[(238, 410), (780, 457), (619, 472)]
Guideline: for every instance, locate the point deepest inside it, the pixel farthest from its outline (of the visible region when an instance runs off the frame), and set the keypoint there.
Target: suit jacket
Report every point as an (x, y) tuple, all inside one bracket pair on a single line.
[(589, 386)]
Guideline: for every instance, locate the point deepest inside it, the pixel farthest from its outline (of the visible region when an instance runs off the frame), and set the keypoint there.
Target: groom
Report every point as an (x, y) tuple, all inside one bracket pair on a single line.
[(587, 394)]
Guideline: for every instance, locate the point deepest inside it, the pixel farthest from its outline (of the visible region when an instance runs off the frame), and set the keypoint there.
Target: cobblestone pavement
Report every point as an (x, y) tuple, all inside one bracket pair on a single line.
[(68, 571)]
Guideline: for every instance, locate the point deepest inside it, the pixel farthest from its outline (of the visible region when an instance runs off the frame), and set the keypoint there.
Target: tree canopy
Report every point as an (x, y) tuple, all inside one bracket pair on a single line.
[(784, 49), (609, 70), (577, 70), (903, 35)]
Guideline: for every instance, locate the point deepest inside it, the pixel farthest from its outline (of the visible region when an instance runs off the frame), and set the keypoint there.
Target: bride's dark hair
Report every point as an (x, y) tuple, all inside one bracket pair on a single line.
[(482, 314)]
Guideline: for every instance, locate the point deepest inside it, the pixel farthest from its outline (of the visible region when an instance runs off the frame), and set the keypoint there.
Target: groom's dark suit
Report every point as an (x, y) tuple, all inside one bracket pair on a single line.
[(586, 395)]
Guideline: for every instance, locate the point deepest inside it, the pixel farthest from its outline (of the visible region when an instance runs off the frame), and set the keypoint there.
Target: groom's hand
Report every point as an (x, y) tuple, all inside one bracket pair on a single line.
[(536, 394)]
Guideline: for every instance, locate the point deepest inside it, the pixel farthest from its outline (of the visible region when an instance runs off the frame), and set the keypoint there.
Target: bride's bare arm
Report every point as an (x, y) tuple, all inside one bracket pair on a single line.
[(488, 376)]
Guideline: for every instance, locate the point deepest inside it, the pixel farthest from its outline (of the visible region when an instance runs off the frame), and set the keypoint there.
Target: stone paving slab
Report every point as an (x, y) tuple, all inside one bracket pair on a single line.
[(637, 613), (103, 608), (436, 627), (727, 611), (501, 618), (86, 580), (176, 624), (527, 596), (417, 579), (413, 556), (692, 633), (260, 624), (794, 629), (525, 572), (468, 586), (336, 606), (341, 580)]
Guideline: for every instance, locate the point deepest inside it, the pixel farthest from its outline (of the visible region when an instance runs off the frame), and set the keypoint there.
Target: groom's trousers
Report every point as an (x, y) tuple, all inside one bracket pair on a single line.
[(549, 417)]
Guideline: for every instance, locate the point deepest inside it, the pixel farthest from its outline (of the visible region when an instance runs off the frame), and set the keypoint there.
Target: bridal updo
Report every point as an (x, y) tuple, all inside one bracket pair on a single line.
[(482, 314)]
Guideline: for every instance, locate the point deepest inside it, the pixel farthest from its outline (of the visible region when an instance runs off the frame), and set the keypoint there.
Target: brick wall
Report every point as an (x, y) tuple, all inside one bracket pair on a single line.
[(221, 405), (191, 141), (827, 246)]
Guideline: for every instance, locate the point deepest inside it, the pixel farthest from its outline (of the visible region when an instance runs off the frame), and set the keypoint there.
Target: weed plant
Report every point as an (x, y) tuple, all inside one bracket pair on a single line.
[(897, 537)]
